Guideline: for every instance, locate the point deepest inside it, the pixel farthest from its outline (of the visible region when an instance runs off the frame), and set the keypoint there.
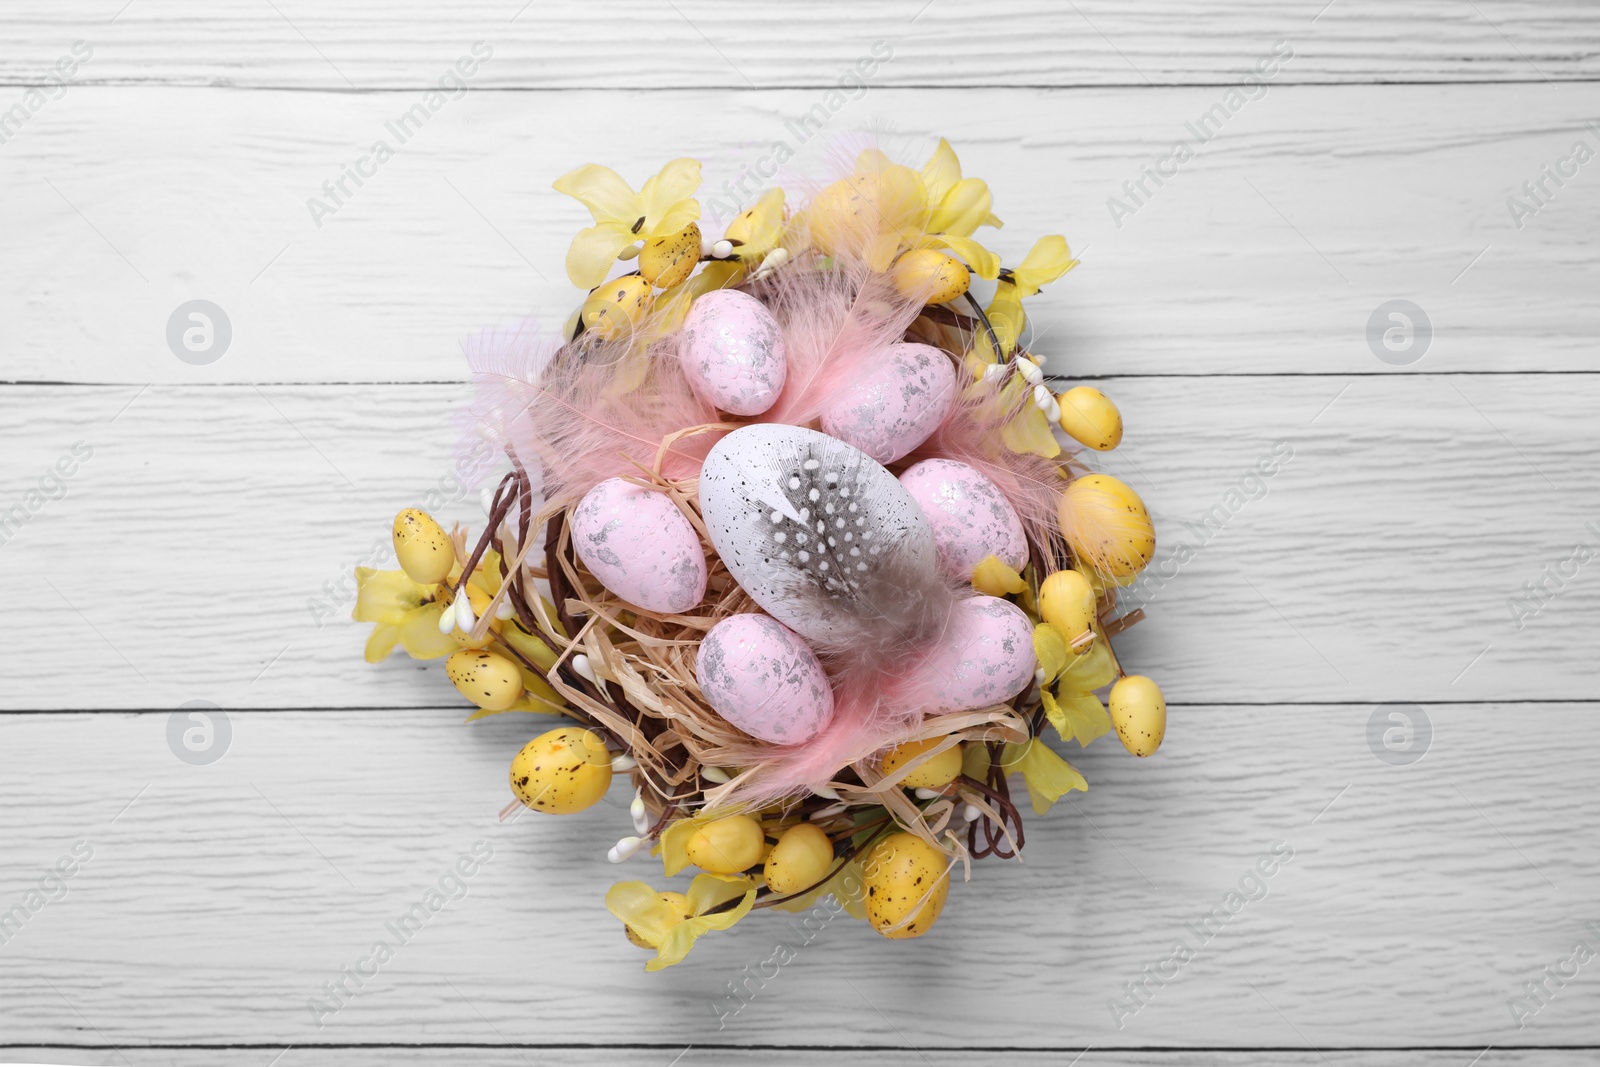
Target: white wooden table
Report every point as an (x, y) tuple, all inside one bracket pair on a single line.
[(201, 546)]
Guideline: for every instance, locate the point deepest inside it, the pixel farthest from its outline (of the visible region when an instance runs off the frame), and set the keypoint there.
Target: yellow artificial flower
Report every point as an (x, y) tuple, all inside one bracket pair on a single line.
[(1075, 711), (663, 206), (994, 577), (957, 207), (1048, 260), (1047, 776), (672, 936), (882, 209), (758, 229), (673, 844), (406, 614)]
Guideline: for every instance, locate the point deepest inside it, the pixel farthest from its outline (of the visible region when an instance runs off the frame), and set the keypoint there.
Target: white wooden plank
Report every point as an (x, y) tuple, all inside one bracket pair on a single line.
[(1417, 901), (1270, 250), (710, 1056), (365, 44), (201, 551)]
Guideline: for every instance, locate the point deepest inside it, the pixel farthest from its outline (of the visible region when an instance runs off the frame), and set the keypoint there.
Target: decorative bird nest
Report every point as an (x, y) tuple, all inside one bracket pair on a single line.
[(790, 533)]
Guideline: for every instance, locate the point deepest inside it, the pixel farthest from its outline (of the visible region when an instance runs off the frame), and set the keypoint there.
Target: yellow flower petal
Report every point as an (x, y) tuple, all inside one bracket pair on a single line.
[(1049, 260), (706, 887), (593, 251), (381, 642), (641, 907), (993, 577), (1048, 776), (962, 210), (1090, 670), (1051, 650), (709, 890), (386, 596), (1028, 433), (1006, 316), (981, 261), (665, 198), (604, 193), (1077, 715), (420, 636), (673, 844), (942, 171)]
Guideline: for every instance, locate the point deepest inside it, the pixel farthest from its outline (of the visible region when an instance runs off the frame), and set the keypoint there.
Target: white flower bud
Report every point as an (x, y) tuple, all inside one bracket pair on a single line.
[(722, 250), (624, 848), (621, 763), (632, 251), (1030, 370), (714, 774), (641, 817), (970, 813)]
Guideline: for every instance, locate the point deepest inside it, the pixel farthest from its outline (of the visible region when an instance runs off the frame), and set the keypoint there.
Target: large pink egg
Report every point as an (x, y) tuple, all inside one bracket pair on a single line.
[(640, 546), (970, 516), (985, 657), (763, 678), (732, 352), (897, 404)]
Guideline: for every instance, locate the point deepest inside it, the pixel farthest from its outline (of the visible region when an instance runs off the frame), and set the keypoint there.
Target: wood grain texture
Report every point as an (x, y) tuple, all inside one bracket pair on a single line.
[(1410, 903), (1269, 251), (205, 550), (367, 43), (702, 1056)]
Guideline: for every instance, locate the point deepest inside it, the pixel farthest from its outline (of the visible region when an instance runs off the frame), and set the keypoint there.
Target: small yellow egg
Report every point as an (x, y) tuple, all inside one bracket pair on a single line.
[(939, 771), (800, 859), (1066, 601), (900, 871), (676, 903), (1107, 525), (667, 261), (616, 307), (727, 845), (931, 276), (1091, 418), (488, 679), (480, 604), (1139, 712), (562, 771), (422, 546)]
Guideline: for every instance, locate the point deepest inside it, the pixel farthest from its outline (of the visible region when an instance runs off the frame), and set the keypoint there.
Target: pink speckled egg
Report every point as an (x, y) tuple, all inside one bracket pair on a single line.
[(763, 678), (985, 657), (970, 516), (640, 546), (896, 405), (732, 352)]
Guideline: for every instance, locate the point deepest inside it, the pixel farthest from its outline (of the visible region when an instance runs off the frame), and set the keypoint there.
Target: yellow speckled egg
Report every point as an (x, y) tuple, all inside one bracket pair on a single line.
[(676, 903), (1091, 418), (562, 771), (1139, 712), (931, 276), (1066, 601), (900, 872), (422, 546), (480, 604), (727, 846), (616, 307), (667, 261), (488, 679), (1106, 524), (800, 859), (941, 770)]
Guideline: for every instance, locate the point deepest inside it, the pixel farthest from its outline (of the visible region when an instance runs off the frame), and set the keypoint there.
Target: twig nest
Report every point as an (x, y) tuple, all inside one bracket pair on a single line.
[(970, 516), (640, 546), (763, 678), (816, 531), (897, 404)]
